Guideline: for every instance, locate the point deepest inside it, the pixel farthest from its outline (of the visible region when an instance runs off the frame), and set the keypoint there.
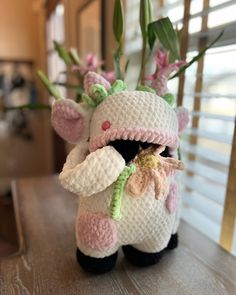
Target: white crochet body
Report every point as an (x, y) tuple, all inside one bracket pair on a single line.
[(145, 222)]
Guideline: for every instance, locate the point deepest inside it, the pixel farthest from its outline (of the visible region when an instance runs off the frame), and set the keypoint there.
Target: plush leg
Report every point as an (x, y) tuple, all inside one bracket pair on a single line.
[(141, 258), (173, 242), (96, 265)]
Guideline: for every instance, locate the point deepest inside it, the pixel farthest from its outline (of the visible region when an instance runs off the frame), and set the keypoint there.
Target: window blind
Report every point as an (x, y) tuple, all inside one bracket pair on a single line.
[(207, 142), (210, 95), (55, 31)]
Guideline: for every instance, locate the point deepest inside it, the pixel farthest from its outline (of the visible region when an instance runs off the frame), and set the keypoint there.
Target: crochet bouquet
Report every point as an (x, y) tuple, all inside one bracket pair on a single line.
[(123, 166)]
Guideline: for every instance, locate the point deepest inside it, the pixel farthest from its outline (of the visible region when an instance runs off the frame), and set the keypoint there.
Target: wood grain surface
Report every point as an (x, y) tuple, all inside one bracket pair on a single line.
[(46, 263)]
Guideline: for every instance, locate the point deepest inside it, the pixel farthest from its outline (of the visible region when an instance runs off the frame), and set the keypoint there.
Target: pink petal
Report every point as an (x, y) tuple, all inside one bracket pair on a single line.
[(109, 76)]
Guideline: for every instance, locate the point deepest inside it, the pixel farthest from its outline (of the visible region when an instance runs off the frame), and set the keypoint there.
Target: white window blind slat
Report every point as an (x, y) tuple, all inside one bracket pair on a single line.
[(205, 146), (213, 116), (211, 95), (210, 10), (207, 172), (205, 153), (220, 137), (201, 222), (214, 192), (228, 38), (204, 205)]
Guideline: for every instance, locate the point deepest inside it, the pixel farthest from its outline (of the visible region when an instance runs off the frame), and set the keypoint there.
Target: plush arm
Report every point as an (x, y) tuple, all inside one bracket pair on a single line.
[(76, 155), (98, 171)]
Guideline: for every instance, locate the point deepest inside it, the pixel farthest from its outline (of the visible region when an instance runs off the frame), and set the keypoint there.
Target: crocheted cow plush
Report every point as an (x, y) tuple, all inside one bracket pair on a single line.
[(123, 170)]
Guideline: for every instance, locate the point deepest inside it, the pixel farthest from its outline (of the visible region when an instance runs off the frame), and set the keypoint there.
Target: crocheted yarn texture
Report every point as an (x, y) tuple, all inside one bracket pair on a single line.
[(144, 221), (134, 115)]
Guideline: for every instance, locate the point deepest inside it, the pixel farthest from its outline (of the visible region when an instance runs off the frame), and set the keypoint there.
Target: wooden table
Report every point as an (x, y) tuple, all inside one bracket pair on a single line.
[(46, 261)]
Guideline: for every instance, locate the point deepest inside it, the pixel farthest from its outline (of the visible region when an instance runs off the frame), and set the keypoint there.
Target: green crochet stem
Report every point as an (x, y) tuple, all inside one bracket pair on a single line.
[(115, 207)]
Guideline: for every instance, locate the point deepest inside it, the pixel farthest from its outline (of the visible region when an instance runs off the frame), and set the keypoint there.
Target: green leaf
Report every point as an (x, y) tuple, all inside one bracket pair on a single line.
[(164, 31), (145, 17), (49, 86), (30, 106), (127, 65), (61, 52), (118, 23), (197, 57), (151, 35), (66, 85), (116, 59), (73, 54)]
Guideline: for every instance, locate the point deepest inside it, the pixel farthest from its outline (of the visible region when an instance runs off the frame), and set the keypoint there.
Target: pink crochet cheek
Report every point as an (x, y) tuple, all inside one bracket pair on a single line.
[(96, 231), (172, 198)]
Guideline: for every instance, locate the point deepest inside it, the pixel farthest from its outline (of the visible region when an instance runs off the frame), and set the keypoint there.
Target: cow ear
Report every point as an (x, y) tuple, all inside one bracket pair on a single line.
[(183, 118), (70, 120)]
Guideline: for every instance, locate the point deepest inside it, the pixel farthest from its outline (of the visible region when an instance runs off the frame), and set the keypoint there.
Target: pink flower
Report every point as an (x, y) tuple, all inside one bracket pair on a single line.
[(109, 76), (92, 62), (92, 65), (163, 70)]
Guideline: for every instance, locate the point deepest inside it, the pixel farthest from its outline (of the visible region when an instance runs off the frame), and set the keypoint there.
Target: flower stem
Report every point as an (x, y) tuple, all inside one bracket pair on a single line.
[(143, 63), (29, 107)]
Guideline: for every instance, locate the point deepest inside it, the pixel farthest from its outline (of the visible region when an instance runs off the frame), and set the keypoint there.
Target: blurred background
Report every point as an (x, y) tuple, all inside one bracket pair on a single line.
[(28, 145)]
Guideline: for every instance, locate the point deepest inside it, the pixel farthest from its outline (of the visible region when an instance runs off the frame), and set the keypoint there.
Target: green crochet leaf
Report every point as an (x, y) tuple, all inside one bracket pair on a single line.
[(117, 86), (98, 92), (88, 100), (145, 88), (169, 98)]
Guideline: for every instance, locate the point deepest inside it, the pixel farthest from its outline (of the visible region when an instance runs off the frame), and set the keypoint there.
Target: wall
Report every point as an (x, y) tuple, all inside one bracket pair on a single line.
[(22, 37), (72, 8), (17, 29)]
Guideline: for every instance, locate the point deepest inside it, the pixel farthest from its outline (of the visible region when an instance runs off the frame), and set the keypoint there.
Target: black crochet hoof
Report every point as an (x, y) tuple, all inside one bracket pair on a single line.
[(173, 242), (140, 258), (96, 265)]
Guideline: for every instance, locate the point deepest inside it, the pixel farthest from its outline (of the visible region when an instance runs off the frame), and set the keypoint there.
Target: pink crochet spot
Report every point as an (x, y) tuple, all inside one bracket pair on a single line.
[(106, 125), (171, 201), (183, 118), (96, 231)]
